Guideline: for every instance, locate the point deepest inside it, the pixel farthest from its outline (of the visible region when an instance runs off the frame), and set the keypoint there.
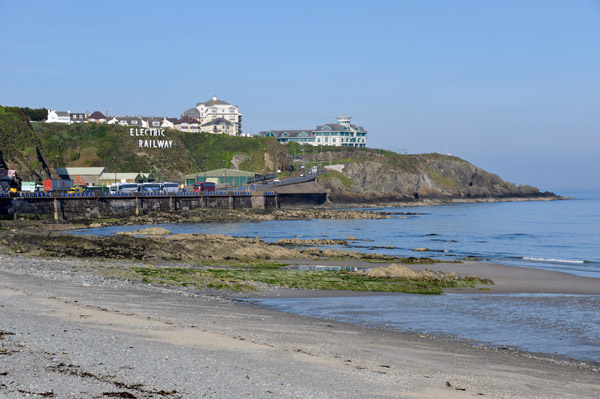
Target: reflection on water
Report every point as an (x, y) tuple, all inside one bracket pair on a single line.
[(567, 325)]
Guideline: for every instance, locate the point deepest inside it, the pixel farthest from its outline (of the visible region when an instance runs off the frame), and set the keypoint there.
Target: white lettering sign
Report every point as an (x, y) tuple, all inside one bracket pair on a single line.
[(146, 132), (155, 143), (135, 132)]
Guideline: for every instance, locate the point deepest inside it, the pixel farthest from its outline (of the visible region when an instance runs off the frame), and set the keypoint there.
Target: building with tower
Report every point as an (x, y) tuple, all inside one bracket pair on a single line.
[(217, 116), (339, 134)]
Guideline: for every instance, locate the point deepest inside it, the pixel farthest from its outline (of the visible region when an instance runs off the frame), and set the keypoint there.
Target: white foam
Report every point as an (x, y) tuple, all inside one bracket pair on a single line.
[(553, 260)]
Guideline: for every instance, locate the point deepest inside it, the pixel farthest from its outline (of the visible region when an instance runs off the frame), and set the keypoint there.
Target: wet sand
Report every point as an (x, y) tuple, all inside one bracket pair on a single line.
[(507, 279), (83, 337)]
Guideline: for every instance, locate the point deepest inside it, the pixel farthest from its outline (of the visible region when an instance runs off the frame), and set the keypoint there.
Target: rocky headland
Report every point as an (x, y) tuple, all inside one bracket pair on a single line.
[(424, 179)]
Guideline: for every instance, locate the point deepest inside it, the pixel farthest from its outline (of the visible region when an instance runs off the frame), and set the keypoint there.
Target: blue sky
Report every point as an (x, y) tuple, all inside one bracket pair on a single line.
[(510, 86)]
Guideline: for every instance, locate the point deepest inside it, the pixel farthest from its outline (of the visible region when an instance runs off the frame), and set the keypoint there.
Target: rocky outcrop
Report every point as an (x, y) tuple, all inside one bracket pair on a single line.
[(402, 178), (164, 247)]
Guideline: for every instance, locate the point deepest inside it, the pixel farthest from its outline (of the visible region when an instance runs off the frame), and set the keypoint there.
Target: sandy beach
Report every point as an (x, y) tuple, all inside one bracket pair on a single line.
[(65, 334)]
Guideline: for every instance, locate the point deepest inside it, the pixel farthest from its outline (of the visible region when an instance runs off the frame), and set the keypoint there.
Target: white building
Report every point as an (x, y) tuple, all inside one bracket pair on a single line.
[(217, 116), (340, 134), (59, 117)]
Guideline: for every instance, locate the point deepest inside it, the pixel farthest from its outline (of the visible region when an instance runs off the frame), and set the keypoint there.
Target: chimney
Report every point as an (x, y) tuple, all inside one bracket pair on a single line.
[(214, 99)]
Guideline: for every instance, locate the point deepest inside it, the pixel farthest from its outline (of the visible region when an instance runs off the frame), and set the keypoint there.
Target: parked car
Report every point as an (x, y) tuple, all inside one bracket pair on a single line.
[(75, 190)]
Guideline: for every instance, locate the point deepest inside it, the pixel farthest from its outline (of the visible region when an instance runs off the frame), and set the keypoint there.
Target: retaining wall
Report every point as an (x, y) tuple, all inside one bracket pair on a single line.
[(97, 205)]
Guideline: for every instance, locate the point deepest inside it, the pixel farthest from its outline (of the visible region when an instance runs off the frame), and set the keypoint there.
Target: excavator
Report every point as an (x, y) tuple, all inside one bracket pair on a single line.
[(77, 189)]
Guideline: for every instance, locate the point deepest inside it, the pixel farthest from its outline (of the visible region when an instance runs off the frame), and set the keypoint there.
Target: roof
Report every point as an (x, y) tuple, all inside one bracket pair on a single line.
[(210, 103), (290, 133), (335, 127), (94, 171), (97, 115), (62, 113), (129, 120), (221, 173), (151, 119), (186, 119), (119, 176), (218, 121), (192, 112)]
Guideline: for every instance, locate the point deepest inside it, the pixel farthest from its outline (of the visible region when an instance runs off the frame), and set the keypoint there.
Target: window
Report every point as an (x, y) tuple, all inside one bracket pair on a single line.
[(155, 124), (134, 122)]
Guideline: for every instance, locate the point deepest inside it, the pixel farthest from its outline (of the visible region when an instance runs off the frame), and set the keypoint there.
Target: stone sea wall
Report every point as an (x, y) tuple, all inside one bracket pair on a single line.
[(72, 208)]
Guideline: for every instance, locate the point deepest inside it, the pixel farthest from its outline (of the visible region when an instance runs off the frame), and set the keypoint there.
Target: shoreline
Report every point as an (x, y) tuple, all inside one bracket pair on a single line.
[(244, 350), (438, 202)]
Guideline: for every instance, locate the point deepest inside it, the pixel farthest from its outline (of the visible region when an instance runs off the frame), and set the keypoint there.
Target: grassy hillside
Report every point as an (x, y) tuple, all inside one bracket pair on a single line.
[(20, 148), (369, 175), (113, 147)]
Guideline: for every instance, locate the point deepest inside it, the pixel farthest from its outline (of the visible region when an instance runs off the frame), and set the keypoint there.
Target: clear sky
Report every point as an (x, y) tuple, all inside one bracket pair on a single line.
[(512, 86)]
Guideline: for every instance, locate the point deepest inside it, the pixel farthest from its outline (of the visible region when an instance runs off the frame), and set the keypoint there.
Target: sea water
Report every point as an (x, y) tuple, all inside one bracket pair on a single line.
[(566, 325), (553, 235)]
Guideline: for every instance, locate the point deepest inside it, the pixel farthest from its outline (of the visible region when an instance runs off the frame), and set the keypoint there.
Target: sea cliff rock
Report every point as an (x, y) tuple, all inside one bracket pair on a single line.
[(409, 178)]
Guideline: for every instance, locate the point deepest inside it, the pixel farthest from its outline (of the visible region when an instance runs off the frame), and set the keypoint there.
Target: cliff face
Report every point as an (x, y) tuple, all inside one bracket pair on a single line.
[(20, 148), (418, 177)]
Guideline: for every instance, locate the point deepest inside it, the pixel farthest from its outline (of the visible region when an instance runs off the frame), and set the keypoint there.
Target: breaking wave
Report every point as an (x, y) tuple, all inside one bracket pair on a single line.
[(553, 260)]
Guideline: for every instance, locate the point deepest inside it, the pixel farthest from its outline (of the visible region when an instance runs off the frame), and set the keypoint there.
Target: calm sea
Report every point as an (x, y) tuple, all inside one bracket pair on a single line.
[(553, 235)]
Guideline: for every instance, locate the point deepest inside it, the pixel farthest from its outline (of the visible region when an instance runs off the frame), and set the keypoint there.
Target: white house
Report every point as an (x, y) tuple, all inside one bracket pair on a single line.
[(97, 117), (187, 124), (217, 116), (340, 134), (59, 117)]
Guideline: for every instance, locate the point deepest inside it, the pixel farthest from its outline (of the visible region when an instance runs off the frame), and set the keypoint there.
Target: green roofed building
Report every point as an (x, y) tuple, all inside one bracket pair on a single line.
[(229, 177)]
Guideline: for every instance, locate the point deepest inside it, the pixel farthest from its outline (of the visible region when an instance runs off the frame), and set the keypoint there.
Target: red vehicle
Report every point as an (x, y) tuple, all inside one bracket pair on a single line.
[(204, 186)]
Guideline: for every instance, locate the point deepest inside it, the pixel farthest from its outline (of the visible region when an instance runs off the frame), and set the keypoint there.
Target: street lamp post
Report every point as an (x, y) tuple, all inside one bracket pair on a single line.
[(113, 159)]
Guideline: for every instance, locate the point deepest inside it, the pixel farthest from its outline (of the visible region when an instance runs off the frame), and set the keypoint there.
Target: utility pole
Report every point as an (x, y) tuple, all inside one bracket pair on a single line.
[(113, 159)]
